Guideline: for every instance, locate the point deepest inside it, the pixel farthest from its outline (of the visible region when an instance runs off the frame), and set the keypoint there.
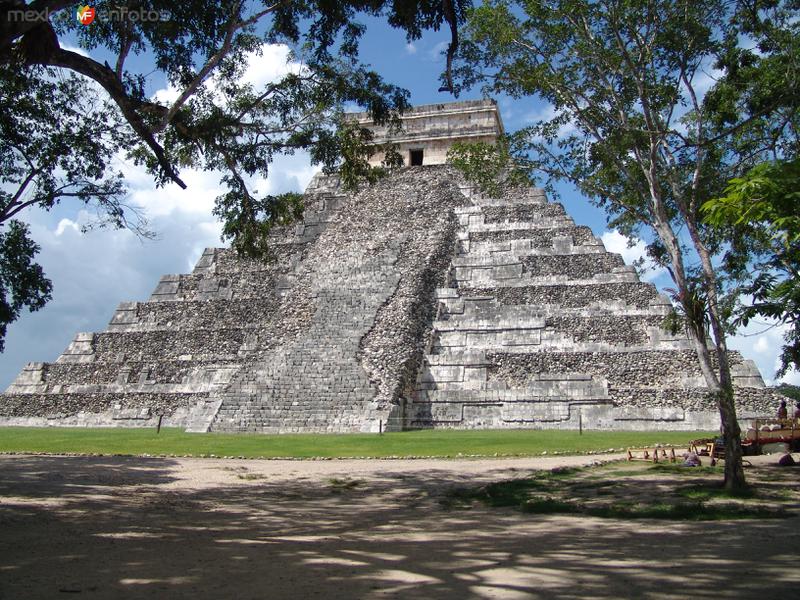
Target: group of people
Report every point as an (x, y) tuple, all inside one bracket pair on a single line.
[(783, 412), (691, 459)]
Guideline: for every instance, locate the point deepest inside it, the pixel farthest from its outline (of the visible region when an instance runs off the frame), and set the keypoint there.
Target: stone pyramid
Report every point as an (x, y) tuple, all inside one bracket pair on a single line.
[(413, 303)]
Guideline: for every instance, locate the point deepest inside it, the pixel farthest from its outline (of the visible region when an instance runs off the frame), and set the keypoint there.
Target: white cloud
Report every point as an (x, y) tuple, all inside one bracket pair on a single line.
[(436, 52), (614, 241), (166, 95), (705, 79), (202, 187), (792, 378), (65, 224), (287, 173), (270, 63), (762, 345), (762, 341), (411, 48)]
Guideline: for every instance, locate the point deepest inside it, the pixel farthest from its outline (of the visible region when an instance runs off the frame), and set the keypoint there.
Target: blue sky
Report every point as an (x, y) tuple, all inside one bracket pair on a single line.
[(93, 272)]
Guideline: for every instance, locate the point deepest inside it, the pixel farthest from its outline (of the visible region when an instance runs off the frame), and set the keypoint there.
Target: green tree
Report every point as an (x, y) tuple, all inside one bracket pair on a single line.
[(754, 105), (66, 116), (630, 130), (50, 151), (761, 210), (490, 167), (22, 282), (792, 391)]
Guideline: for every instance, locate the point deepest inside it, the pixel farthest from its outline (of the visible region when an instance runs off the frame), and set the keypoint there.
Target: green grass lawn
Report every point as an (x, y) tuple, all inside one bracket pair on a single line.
[(441, 443)]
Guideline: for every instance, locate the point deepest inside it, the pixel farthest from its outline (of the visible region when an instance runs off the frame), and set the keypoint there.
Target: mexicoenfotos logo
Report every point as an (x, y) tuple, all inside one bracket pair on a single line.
[(85, 14)]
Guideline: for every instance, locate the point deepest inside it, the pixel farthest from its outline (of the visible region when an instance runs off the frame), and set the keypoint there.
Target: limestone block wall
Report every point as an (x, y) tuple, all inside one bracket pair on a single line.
[(542, 327), (573, 295), (434, 128), (534, 238)]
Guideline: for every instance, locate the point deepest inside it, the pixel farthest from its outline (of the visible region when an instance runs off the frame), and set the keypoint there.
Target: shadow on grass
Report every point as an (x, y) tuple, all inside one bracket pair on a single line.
[(627, 492)]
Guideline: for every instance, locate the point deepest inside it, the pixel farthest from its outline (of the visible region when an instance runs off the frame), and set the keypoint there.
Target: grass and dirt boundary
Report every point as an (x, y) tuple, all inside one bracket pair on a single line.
[(406, 444)]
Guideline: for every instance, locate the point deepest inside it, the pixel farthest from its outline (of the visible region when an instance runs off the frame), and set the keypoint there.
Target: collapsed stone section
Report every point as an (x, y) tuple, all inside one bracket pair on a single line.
[(542, 327), (372, 277)]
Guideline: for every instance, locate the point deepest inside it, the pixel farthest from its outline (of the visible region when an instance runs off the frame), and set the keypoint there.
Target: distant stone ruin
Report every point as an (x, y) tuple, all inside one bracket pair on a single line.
[(410, 304), (429, 130)]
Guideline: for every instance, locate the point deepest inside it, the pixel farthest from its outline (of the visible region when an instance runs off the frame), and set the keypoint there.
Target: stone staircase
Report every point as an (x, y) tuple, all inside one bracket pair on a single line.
[(542, 327), (317, 383)]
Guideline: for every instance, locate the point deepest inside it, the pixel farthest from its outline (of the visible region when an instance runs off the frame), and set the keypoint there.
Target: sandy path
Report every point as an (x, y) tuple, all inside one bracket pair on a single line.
[(190, 528)]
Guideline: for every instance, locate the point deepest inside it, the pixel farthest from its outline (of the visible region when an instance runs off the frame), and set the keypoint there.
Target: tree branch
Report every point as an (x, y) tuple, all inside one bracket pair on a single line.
[(103, 75), (234, 25), (10, 31)]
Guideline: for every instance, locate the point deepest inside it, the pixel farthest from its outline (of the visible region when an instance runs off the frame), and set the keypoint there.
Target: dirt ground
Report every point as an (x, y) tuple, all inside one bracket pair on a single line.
[(106, 527)]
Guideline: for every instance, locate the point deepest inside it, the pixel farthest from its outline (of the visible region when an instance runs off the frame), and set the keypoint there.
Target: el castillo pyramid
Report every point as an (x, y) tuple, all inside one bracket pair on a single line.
[(413, 303)]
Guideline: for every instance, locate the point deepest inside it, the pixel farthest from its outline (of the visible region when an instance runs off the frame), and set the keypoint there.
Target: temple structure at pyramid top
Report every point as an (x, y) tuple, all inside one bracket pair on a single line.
[(412, 303), (429, 130)]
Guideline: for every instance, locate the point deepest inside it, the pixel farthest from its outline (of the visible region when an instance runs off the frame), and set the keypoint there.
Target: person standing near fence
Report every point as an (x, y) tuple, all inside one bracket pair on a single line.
[(782, 412)]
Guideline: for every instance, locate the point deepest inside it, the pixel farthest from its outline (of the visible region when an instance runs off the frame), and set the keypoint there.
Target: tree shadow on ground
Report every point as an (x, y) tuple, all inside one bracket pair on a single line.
[(122, 528)]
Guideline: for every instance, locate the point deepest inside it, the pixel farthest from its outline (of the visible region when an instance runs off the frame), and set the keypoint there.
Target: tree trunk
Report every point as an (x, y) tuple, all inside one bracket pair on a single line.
[(695, 331), (734, 472), (719, 383)]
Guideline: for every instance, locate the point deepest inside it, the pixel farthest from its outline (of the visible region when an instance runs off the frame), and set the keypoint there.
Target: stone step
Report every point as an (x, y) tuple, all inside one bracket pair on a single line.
[(522, 213), (557, 331), (512, 403), (203, 415), (522, 248), (78, 408), (451, 305), (510, 276), (553, 385), (164, 345), (475, 223), (259, 284), (489, 415), (536, 237), (576, 266), (530, 195), (751, 402), (599, 295), (629, 367), (178, 376), (194, 314), (225, 261)]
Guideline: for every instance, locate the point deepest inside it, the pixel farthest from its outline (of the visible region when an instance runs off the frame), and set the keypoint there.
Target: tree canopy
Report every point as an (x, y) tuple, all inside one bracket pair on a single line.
[(754, 106), (761, 212), (67, 113)]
